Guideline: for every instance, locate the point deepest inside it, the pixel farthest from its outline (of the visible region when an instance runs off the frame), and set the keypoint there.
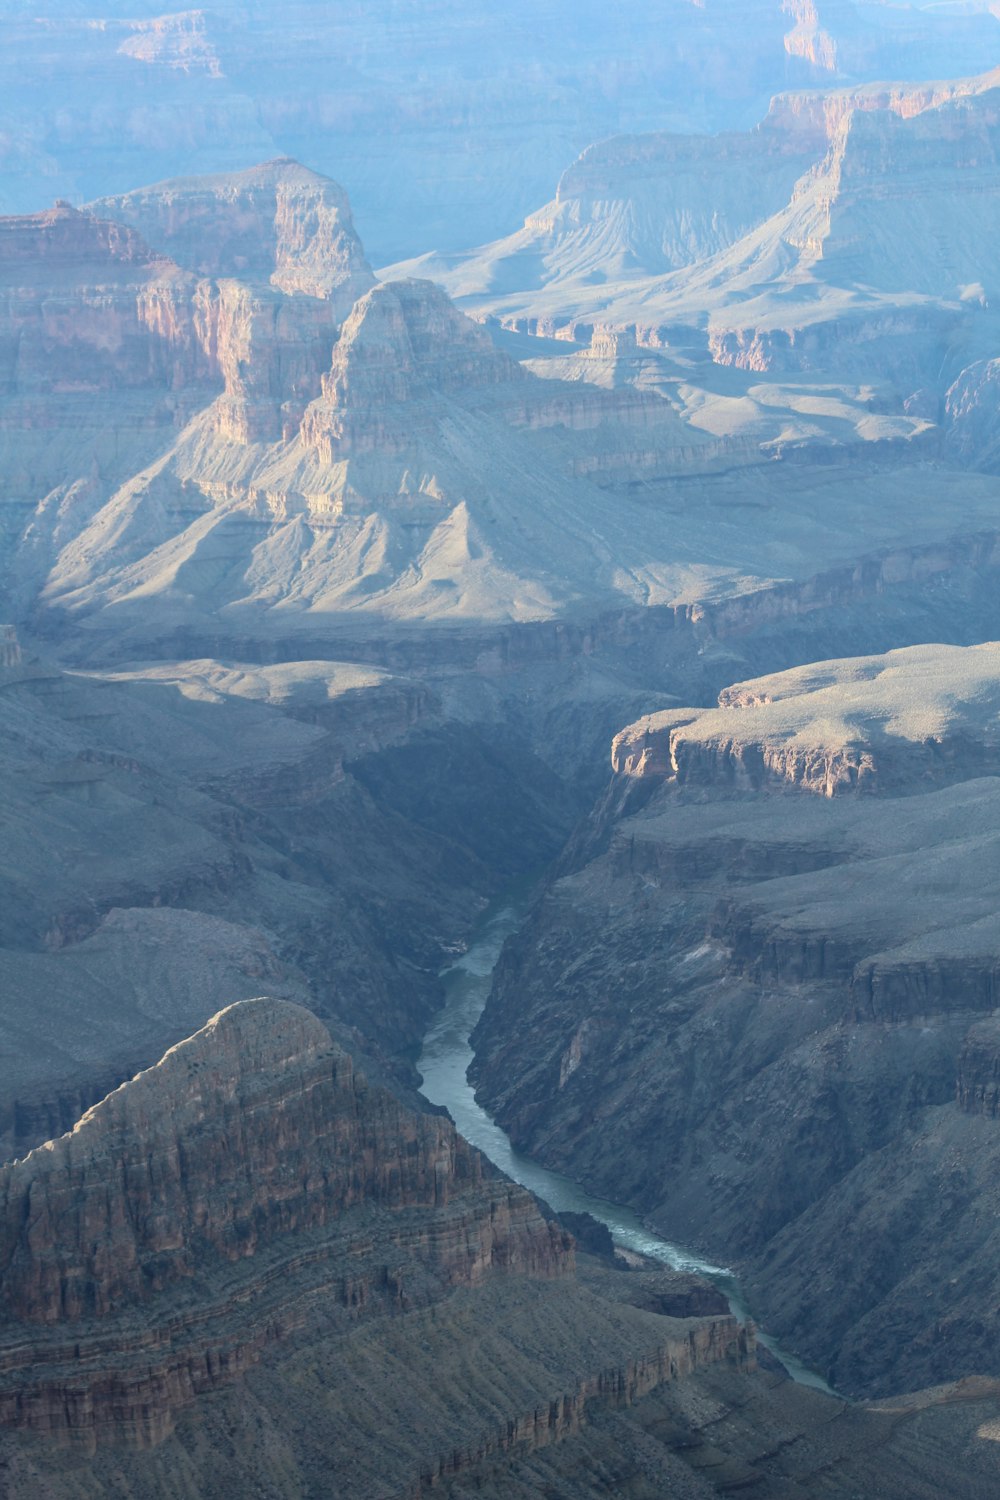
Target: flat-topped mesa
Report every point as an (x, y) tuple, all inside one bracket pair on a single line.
[(900, 722), (278, 224), (404, 346), (822, 111), (189, 1194), (613, 343)]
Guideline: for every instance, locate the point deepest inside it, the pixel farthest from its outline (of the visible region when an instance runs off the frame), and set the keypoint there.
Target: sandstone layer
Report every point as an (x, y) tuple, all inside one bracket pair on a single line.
[(301, 463), (855, 318), (247, 1264)]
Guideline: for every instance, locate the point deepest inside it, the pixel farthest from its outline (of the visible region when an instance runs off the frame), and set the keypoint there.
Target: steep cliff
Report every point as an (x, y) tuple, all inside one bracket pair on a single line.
[(251, 1210), (237, 1158), (905, 721), (121, 315), (373, 96), (247, 1261), (760, 976), (972, 415), (278, 223), (812, 245)]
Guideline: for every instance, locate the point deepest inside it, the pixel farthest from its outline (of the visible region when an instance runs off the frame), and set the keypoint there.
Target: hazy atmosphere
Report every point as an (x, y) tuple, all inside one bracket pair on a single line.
[(500, 750)]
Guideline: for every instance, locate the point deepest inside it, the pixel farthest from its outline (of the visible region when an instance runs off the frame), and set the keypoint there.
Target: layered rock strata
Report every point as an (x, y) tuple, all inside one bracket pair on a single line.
[(241, 1157), (767, 972), (198, 831), (251, 1213)]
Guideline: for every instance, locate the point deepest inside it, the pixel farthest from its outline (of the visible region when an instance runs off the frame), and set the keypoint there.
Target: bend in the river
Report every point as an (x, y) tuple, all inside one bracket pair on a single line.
[(444, 1064)]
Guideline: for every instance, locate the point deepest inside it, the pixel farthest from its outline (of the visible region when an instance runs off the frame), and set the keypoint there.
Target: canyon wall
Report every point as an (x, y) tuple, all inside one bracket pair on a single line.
[(765, 969)]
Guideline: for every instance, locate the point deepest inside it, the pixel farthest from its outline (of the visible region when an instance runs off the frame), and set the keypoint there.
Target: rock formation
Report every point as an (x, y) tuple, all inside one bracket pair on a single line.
[(767, 974), (278, 223), (905, 721), (251, 1168), (322, 595), (810, 247), (145, 96), (222, 1232), (236, 1160), (276, 229)]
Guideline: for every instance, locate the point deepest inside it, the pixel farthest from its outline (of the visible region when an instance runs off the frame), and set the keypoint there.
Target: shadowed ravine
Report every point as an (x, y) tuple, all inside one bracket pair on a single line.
[(444, 1063)]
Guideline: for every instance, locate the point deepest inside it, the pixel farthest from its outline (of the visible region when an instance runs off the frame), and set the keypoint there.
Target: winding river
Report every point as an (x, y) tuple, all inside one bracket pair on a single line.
[(444, 1063)]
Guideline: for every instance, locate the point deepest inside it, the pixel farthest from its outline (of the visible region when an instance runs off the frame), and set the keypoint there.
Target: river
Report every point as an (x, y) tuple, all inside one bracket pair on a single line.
[(444, 1063)]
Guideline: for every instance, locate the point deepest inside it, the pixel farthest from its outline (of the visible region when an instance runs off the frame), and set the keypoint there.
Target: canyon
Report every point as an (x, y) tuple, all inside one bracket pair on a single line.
[(764, 976), (327, 592), (371, 1241), (446, 126)]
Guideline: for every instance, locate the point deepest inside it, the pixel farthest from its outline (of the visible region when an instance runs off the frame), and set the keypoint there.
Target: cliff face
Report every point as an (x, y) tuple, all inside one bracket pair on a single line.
[(767, 965), (404, 343), (249, 280), (278, 223), (913, 718), (235, 1152), (286, 265), (972, 415), (151, 96), (809, 245), (88, 307)]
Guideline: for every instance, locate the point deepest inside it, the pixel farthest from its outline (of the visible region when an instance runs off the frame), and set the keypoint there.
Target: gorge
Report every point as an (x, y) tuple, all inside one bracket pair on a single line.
[(566, 655)]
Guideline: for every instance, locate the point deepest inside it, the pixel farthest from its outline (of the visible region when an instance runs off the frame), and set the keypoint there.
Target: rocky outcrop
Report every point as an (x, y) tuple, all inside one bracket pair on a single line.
[(271, 352), (921, 716), (978, 1085), (710, 1343), (249, 1150), (86, 306), (972, 415), (821, 112), (279, 243), (808, 39), (278, 223), (179, 41), (404, 344)]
